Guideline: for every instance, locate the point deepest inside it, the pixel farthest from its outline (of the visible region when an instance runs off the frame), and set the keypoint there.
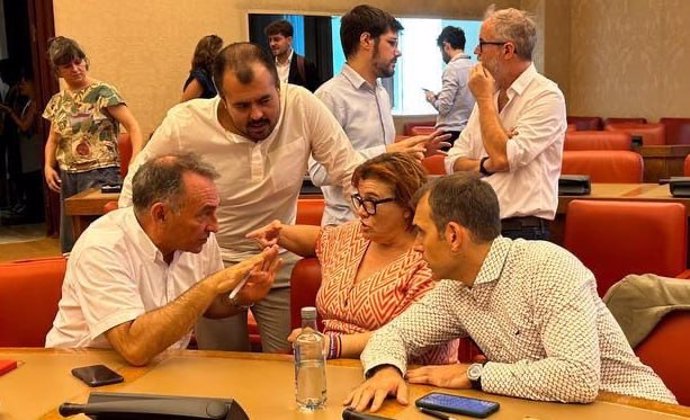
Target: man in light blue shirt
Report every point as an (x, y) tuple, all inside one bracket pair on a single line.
[(454, 102), (359, 101)]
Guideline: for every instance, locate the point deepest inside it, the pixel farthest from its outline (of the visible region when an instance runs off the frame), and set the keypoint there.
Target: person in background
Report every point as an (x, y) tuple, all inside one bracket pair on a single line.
[(370, 271), (199, 84), (81, 150), (454, 102), (292, 67)]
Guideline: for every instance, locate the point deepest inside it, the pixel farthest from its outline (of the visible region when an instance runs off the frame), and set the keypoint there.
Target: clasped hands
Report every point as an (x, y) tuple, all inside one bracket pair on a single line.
[(388, 381)]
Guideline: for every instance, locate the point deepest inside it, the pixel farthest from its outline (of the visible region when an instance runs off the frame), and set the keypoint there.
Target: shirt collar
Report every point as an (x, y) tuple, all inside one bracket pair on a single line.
[(149, 250), (494, 261), (521, 83), (461, 56), (289, 59), (355, 79)]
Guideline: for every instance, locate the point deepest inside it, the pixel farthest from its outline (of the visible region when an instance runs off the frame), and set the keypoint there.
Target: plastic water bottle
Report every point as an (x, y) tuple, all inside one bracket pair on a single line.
[(310, 364)]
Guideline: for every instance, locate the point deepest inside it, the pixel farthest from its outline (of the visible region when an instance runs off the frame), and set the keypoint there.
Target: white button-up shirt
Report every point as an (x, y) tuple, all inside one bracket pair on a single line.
[(260, 181), (364, 112), (535, 313), (536, 111), (284, 69), (116, 274)]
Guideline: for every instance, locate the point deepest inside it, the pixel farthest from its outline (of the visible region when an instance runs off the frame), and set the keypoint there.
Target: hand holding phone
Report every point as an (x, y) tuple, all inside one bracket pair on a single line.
[(97, 375), (457, 404)]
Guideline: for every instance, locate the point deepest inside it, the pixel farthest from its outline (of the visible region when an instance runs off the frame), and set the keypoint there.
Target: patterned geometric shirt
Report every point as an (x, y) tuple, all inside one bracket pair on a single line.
[(348, 306), (535, 313), (87, 132)]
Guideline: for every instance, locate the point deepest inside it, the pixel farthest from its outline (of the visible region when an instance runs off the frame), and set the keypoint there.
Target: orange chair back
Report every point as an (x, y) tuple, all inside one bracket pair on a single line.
[(305, 281), (422, 130), (434, 165), (617, 238), (611, 166), (666, 351), (309, 211), (597, 140), (652, 134), (407, 127), (677, 130), (29, 294), (124, 148), (586, 123), (625, 120)]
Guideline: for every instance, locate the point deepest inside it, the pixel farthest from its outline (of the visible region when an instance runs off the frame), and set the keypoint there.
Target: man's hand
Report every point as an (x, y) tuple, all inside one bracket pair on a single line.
[(421, 146), (268, 235), (260, 278), (445, 376), (481, 83), (430, 96), (387, 381), (52, 179), (226, 279)]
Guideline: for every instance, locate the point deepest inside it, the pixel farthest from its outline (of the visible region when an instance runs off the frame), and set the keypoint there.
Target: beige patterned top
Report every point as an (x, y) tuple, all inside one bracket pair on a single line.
[(535, 313)]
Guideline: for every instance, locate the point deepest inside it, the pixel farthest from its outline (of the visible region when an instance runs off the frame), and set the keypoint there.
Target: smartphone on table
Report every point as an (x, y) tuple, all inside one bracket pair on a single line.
[(97, 375), (458, 404)]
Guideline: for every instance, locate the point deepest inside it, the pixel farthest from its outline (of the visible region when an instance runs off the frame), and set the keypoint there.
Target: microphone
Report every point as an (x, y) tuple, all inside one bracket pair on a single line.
[(350, 414)]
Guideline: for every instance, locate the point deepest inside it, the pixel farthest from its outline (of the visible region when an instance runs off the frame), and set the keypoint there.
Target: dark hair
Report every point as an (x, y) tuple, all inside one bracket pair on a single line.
[(400, 171), (63, 50), (238, 58), (279, 27), (452, 35), (160, 179), (205, 52), (465, 199), (361, 19)]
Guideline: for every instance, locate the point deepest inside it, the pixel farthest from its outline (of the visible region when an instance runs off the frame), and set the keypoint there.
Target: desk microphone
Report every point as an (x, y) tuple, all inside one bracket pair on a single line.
[(350, 414)]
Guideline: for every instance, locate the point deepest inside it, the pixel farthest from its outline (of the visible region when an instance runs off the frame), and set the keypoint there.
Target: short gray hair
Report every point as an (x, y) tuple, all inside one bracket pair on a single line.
[(160, 179), (516, 26)]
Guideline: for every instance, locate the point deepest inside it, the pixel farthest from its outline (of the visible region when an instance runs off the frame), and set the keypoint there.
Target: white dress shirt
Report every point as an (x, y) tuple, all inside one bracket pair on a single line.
[(535, 313), (116, 274), (454, 102), (364, 112), (536, 111), (259, 181), (284, 69)]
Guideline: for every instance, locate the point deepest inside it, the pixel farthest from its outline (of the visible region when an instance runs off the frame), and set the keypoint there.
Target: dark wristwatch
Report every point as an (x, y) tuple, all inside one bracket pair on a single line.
[(474, 374), (482, 169)]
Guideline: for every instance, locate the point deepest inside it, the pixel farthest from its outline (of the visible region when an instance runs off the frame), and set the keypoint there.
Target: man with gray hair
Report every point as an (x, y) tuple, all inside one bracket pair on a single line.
[(531, 307), (514, 136), (139, 278)]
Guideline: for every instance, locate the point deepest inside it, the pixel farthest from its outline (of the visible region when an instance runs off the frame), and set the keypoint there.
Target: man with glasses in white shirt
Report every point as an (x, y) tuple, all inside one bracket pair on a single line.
[(514, 136)]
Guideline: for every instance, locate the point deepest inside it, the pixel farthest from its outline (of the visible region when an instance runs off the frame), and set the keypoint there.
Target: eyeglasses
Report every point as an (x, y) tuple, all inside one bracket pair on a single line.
[(368, 204), (482, 43)]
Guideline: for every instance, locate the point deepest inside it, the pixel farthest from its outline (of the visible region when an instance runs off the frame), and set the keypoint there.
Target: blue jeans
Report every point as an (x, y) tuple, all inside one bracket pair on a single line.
[(74, 183)]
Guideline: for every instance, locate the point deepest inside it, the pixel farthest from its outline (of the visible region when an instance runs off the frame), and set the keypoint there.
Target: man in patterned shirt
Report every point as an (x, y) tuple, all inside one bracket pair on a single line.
[(531, 307)]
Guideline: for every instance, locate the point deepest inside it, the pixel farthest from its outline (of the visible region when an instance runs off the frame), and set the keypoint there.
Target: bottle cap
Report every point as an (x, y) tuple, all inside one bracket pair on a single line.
[(309, 312)]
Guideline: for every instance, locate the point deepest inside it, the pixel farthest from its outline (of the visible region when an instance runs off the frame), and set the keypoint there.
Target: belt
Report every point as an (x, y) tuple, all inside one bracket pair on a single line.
[(518, 223)]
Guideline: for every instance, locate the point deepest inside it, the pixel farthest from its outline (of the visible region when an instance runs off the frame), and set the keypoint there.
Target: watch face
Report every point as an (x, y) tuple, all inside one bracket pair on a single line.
[(474, 372)]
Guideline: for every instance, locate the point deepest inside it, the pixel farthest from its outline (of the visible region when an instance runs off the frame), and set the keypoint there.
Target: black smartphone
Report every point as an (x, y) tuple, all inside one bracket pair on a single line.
[(457, 404), (97, 375)]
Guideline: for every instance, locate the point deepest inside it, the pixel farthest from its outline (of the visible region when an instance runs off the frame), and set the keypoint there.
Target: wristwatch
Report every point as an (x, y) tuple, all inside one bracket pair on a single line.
[(474, 374), (234, 301), (482, 169)]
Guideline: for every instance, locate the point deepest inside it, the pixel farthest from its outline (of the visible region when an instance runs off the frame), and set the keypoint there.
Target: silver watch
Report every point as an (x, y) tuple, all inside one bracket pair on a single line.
[(474, 374), (234, 301)]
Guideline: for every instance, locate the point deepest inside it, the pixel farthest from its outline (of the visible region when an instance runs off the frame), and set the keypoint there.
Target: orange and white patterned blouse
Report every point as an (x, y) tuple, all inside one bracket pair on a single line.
[(350, 307)]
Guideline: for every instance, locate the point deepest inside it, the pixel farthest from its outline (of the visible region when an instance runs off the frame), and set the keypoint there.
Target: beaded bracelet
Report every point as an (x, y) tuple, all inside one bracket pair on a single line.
[(335, 346)]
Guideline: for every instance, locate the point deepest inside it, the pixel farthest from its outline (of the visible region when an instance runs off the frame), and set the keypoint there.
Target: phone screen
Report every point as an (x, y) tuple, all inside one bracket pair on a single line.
[(458, 404), (97, 375)]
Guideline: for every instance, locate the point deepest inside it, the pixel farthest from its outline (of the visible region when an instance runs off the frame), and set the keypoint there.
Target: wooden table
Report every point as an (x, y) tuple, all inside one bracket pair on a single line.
[(663, 161), (85, 207), (262, 384)]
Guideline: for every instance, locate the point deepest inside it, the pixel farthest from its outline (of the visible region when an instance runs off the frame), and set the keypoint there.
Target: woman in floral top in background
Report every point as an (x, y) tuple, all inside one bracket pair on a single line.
[(81, 151)]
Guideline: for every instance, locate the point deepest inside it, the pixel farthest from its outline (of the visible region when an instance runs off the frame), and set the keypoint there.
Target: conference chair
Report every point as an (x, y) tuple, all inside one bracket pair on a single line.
[(304, 284), (597, 140), (625, 120), (124, 148), (617, 238), (30, 291), (434, 165), (407, 127), (422, 130), (652, 134), (666, 351), (677, 130), (609, 166), (586, 123)]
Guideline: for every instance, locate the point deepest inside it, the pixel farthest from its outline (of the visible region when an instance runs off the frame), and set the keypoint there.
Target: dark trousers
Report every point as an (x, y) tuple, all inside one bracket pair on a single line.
[(528, 227)]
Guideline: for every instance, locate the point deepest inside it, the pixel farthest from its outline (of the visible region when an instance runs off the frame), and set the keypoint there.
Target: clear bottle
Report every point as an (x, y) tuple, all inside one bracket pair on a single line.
[(310, 364)]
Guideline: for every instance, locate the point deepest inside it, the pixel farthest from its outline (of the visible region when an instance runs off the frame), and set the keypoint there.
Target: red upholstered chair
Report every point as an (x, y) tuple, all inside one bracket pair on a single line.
[(586, 123), (309, 211), (124, 148), (434, 165), (597, 140), (407, 127), (686, 166), (304, 284), (571, 128), (29, 294), (652, 134), (625, 120), (612, 166), (617, 238), (109, 206), (666, 351), (677, 130), (422, 130)]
